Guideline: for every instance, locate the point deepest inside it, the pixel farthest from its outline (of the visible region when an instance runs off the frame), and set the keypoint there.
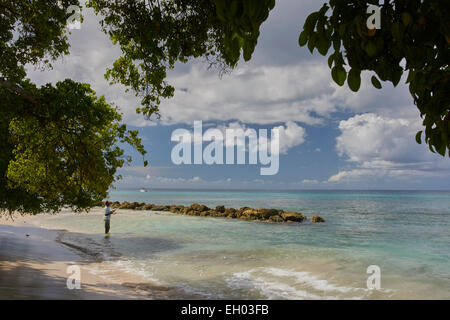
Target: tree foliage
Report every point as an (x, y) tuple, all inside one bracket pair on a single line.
[(58, 144), (414, 38), (154, 35)]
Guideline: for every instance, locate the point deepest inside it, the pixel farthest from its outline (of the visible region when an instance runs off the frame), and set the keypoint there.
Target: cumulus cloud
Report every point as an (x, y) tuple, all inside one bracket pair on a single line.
[(379, 146), (290, 135), (257, 94), (372, 137)]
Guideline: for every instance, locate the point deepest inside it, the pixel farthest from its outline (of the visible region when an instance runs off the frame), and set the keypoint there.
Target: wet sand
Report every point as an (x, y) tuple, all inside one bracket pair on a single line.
[(33, 265)]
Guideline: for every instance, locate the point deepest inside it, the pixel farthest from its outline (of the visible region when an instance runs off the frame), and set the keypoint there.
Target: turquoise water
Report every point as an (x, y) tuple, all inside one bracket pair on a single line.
[(405, 233)]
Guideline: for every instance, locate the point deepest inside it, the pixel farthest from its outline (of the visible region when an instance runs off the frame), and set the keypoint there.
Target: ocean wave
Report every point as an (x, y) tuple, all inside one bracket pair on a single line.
[(306, 278), (277, 283), (268, 289)]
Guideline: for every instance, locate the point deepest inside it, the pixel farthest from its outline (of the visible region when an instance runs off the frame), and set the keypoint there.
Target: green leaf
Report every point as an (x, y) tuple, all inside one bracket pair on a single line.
[(376, 83), (406, 18), (336, 44), (397, 31), (303, 39), (419, 137), (339, 75), (312, 43), (310, 22), (354, 79), (323, 45), (371, 48), (330, 60), (248, 50)]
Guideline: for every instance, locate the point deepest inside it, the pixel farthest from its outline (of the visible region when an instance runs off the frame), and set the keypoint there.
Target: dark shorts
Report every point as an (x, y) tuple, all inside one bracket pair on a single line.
[(107, 226)]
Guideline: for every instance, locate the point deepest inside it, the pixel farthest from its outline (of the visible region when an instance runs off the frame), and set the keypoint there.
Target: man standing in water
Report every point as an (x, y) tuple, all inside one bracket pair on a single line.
[(108, 214)]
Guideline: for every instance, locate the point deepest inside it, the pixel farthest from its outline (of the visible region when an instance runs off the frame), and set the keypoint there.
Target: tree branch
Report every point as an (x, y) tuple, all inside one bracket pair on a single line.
[(18, 90)]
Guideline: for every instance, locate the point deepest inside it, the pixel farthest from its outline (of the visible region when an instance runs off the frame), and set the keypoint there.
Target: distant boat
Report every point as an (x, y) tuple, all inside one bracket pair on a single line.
[(143, 190)]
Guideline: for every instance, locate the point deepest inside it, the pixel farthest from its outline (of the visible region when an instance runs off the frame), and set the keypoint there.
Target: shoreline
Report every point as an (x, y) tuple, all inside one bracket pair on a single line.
[(34, 262)]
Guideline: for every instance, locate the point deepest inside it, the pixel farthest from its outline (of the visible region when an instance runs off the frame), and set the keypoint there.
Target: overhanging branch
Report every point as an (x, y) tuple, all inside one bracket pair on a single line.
[(18, 90)]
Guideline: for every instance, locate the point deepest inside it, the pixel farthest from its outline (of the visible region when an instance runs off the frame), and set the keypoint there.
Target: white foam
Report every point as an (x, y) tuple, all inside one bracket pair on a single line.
[(136, 268), (254, 279), (269, 289), (306, 279)]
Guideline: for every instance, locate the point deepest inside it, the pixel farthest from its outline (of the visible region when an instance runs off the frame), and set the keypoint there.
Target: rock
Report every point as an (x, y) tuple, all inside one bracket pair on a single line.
[(317, 219), (176, 209), (293, 216), (222, 214), (141, 206), (199, 207), (230, 212), (115, 204), (124, 205), (276, 219), (205, 213), (148, 206), (267, 213), (251, 214), (213, 213), (133, 205), (191, 212), (245, 213), (160, 208)]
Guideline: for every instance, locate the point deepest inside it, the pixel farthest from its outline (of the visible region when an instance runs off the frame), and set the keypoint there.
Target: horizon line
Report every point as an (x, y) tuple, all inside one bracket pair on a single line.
[(266, 190)]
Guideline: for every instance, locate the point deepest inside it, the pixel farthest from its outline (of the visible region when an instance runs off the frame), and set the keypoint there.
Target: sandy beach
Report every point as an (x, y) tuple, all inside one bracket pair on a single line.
[(33, 265)]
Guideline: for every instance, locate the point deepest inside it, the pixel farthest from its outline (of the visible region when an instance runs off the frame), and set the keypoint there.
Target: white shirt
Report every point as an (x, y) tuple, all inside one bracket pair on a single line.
[(108, 214)]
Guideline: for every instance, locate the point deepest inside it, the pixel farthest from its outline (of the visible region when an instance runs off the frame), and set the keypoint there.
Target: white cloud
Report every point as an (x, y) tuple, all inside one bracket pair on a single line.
[(290, 136), (384, 147), (308, 181), (355, 174), (257, 94), (372, 137)]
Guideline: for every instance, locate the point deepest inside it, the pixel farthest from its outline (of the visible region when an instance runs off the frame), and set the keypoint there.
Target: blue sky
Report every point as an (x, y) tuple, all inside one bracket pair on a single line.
[(331, 137)]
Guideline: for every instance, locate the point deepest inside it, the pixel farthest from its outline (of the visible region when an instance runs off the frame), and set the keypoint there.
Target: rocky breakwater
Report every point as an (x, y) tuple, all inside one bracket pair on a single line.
[(245, 213)]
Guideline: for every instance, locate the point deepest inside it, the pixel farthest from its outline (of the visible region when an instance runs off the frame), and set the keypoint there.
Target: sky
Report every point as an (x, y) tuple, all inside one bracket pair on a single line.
[(330, 137)]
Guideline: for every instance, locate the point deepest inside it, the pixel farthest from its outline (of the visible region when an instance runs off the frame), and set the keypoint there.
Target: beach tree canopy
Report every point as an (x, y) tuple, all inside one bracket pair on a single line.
[(154, 35), (53, 134), (414, 37), (58, 143)]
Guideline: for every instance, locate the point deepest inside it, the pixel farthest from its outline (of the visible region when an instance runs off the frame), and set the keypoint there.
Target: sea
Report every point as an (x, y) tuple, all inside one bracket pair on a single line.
[(373, 245)]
